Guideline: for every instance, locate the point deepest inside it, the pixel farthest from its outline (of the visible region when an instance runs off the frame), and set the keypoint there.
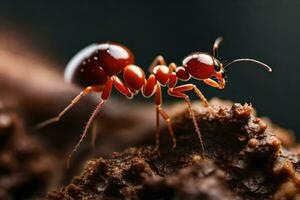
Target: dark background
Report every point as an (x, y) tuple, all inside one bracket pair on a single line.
[(265, 30)]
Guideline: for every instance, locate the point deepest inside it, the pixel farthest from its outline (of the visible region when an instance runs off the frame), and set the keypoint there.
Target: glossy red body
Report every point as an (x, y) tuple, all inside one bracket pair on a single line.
[(199, 65), (96, 69), (95, 63), (134, 77)]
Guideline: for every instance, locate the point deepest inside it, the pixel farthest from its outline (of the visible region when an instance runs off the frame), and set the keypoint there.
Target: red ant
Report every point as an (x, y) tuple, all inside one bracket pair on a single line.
[(95, 68)]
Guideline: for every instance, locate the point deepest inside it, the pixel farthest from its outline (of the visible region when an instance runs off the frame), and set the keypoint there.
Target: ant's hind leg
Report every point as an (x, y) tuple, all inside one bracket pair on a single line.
[(165, 116), (158, 60), (94, 134), (85, 92)]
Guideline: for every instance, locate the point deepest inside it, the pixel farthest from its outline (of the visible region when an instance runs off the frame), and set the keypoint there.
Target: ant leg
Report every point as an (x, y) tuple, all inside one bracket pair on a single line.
[(168, 121), (212, 83), (187, 87), (172, 67), (157, 134), (105, 95), (165, 116), (172, 75), (201, 96), (158, 60), (158, 100), (178, 92), (121, 87), (94, 134), (85, 92)]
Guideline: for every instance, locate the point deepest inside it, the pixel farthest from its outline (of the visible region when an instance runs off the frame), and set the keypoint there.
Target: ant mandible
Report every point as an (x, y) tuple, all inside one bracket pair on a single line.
[(95, 68)]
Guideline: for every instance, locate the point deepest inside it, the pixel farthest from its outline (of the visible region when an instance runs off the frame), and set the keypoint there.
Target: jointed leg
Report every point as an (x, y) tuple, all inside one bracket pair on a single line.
[(158, 60), (91, 119), (105, 95), (165, 116), (121, 87), (74, 101), (212, 83), (178, 92), (157, 103), (94, 134), (187, 87), (172, 75), (157, 134)]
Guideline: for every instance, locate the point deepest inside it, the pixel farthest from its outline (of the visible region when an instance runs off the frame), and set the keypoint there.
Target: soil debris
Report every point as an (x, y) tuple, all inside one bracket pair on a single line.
[(243, 159), (26, 168)]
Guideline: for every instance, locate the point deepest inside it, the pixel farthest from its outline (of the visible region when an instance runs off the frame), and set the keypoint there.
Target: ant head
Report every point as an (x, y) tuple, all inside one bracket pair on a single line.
[(202, 66), (218, 78)]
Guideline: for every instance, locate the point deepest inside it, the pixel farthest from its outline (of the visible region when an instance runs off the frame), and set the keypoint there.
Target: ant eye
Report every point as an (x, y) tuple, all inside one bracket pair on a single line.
[(217, 67), (224, 75)]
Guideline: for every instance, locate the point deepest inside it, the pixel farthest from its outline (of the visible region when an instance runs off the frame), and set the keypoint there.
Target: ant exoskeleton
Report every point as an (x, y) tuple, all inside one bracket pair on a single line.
[(95, 68)]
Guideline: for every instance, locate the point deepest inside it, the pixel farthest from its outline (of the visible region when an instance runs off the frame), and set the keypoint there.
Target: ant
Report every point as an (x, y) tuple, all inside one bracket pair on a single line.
[(95, 68)]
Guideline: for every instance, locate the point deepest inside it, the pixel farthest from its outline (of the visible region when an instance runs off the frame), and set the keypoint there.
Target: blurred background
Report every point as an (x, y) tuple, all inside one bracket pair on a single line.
[(265, 30)]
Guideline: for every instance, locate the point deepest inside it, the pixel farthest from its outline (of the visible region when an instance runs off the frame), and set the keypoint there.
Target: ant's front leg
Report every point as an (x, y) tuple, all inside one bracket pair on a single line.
[(188, 87), (178, 92), (158, 60)]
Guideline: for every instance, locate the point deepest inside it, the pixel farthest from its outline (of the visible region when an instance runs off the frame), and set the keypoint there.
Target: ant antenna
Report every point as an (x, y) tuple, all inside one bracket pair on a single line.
[(249, 60), (216, 46)]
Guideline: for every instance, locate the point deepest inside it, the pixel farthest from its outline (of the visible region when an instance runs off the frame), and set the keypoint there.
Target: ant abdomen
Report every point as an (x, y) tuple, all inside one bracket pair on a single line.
[(94, 64)]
